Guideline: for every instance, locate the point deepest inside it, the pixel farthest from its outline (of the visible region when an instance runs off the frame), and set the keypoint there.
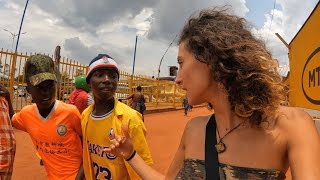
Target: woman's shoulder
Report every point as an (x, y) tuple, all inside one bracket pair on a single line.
[(292, 119), (197, 122), (289, 115)]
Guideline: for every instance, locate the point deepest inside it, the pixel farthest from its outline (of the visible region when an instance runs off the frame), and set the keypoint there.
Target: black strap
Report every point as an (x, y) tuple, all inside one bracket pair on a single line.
[(211, 155)]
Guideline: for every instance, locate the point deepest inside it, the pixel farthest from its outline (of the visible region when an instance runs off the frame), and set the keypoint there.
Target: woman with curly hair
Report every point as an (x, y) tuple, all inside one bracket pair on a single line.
[(252, 135)]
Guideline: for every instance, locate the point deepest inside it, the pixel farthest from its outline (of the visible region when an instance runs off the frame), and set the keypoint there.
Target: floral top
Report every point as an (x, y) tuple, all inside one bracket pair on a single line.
[(195, 170)]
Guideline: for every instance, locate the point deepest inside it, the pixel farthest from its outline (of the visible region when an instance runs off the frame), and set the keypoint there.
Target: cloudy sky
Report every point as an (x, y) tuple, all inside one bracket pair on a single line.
[(85, 28)]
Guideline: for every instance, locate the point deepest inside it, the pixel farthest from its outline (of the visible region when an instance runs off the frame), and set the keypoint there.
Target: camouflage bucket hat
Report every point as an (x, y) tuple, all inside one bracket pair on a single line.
[(39, 68)]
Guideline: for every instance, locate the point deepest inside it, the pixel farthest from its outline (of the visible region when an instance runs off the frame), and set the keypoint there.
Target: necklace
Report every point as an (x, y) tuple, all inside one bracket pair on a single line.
[(220, 146)]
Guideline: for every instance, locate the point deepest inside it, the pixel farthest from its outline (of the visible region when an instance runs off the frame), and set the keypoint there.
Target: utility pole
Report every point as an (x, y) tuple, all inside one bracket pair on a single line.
[(133, 65), (24, 12), (14, 58), (165, 54), (158, 81), (134, 55)]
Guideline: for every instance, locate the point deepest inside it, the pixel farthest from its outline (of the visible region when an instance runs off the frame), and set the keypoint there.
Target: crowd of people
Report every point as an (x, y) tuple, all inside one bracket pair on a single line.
[(249, 136)]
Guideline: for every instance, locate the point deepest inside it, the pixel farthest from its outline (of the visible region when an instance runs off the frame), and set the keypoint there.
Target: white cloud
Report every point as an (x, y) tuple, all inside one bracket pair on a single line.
[(286, 21)]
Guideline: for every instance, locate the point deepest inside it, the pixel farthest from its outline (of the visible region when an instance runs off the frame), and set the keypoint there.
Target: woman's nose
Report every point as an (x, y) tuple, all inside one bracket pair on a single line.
[(178, 78)]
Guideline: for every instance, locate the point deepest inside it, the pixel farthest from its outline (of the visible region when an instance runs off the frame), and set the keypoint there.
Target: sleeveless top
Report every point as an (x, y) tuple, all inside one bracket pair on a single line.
[(194, 169)]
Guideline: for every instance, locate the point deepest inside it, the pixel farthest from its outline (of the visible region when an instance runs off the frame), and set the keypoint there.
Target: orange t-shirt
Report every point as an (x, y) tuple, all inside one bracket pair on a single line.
[(56, 138)]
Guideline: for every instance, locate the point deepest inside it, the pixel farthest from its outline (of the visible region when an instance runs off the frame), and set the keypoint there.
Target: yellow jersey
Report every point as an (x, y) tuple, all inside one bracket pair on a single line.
[(98, 164)]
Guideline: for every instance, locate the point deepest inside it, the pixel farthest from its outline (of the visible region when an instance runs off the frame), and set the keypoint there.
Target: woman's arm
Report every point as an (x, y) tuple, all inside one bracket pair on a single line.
[(303, 146), (144, 170)]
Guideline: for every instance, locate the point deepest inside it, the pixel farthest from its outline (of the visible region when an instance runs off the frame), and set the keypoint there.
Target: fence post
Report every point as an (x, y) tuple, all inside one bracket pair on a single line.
[(130, 86), (157, 96), (87, 70), (57, 63), (12, 72)]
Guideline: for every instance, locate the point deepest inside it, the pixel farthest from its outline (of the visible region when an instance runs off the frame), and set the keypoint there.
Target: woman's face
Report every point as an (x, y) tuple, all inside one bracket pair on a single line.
[(194, 77)]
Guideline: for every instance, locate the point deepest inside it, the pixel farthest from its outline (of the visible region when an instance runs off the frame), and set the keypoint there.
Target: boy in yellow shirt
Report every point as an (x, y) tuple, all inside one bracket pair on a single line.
[(105, 117)]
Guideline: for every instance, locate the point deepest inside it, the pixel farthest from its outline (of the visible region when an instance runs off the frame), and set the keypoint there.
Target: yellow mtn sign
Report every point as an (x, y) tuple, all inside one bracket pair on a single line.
[(304, 56)]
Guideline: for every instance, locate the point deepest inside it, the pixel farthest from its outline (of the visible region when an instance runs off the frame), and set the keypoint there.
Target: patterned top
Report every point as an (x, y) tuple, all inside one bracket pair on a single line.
[(7, 141), (195, 170)]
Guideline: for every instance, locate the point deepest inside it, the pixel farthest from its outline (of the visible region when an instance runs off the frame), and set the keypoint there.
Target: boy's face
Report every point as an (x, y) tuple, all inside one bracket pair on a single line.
[(103, 84), (43, 94)]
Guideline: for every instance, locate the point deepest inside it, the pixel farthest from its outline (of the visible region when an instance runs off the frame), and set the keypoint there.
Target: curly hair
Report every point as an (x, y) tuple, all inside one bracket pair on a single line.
[(238, 60)]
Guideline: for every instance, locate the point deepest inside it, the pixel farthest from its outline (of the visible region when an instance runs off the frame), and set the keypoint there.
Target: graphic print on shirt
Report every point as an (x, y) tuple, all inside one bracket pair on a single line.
[(61, 129), (100, 172)]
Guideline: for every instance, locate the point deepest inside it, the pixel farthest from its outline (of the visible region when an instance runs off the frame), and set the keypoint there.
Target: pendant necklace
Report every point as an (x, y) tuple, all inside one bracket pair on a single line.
[(220, 146)]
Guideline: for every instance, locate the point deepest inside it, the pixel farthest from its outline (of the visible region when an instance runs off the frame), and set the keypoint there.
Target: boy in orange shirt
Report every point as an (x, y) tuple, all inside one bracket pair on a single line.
[(53, 125)]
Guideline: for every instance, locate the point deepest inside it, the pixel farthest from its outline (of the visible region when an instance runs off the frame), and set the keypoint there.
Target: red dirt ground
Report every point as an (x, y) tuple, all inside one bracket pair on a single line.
[(164, 133)]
